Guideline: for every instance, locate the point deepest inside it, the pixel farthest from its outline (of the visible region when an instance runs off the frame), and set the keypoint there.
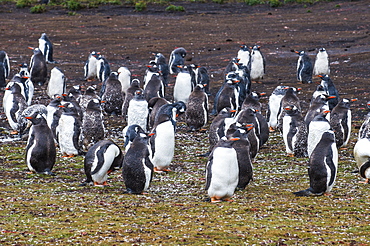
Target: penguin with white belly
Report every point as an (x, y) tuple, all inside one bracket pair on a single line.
[(124, 76), (15, 104), (53, 115), (101, 159), (138, 112), (318, 104), (38, 67), (365, 127), (183, 85), (330, 89), (160, 60), (304, 68), (28, 87), (361, 152), (46, 48), (102, 68), (57, 82), (316, 128), (290, 98), (177, 58), (274, 106), (90, 67), (4, 68), (153, 87), (323, 166), (222, 171), (258, 64), (154, 105), (40, 150), (228, 95), (137, 170), (341, 121), (244, 56), (321, 63), (130, 93)]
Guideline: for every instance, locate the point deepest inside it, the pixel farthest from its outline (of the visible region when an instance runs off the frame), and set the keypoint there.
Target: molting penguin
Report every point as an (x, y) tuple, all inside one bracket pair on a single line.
[(160, 60), (341, 121), (38, 68), (57, 82), (183, 85), (23, 123), (138, 112), (4, 68), (88, 95), (40, 150), (102, 158), (330, 89), (91, 66), (258, 64), (304, 68), (196, 115), (321, 63), (131, 133), (365, 127), (222, 171), (251, 101), (124, 76), (274, 106), (112, 95), (130, 93), (46, 48), (319, 91), (316, 128), (244, 56), (177, 58), (294, 132), (137, 170), (92, 129), (323, 166), (14, 106), (361, 152)]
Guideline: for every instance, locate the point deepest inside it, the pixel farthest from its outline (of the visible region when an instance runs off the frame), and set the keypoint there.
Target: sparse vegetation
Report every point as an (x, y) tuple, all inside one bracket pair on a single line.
[(140, 6), (73, 5), (23, 3), (175, 8), (37, 9)]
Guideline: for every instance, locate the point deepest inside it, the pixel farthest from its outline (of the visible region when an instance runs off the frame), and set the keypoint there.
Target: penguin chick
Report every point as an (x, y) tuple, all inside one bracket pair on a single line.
[(196, 115), (92, 129)]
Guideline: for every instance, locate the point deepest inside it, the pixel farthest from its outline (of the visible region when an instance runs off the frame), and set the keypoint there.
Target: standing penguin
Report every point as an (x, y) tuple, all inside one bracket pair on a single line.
[(130, 93), (102, 158), (244, 56), (323, 166), (138, 112), (330, 89), (341, 121), (4, 68), (68, 131), (131, 133), (154, 105), (321, 63), (28, 87), (137, 170), (365, 127), (53, 115), (112, 95), (304, 68), (361, 152), (177, 58), (274, 106), (222, 171), (228, 95), (290, 98), (46, 48), (183, 85), (294, 132), (201, 76), (196, 115), (316, 128), (319, 104), (124, 76), (153, 86), (102, 68), (57, 83), (91, 65), (89, 94), (38, 68), (40, 150), (160, 60), (92, 129), (14, 106), (258, 64)]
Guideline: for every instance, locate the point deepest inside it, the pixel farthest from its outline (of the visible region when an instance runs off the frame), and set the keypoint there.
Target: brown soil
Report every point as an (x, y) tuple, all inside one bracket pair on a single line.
[(211, 33)]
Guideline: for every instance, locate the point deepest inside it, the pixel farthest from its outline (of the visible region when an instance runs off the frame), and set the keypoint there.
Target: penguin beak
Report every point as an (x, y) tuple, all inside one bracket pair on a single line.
[(31, 48), (233, 111), (61, 106), (326, 111), (299, 89), (263, 94), (7, 88), (354, 100), (250, 126), (288, 108), (331, 97), (320, 76), (151, 134), (297, 52), (28, 117), (234, 139), (102, 101)]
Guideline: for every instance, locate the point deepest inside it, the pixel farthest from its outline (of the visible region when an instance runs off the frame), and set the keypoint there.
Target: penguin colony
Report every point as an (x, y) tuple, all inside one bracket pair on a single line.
[(73, 121)]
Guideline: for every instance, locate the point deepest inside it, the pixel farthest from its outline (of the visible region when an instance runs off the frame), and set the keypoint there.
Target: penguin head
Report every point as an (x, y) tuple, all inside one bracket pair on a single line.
[(94, 104), (36, 118), (135, 83), (113, 75), (139, 95), (15, 88), (180, 107), (244, 47), (292, 110), (322, 49), (232, 78), (368, 104), (300, 53)]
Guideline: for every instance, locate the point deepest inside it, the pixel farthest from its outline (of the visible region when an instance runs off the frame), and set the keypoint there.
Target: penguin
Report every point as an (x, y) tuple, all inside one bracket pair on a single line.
[(75, 92), (330, 89), (219, 126), (290, 98), (245, 81), (232, 66), (68, 131), (222, 171), (92, 129), (365, 127), (38, 67), (28, 87), (134, 86), (138, 111), (131, 133), (71, 98), (14, 106), (100, 160), (304, 68), (201, 77), (57, 82), (160, 61), (323, 166), (124, 76), (274, 106), (53, 114), (173, 110), (319, 91), (321, 63), (40, 149), (244, 56), (87, 96), (23, 123), (251, 101), (228, 95), (46, 48), (154, 104), (183, 85), (153, 86), (137, 169), (361, 152), (258, 64), (294, 132), (316, 128), (112, 95), (91, 65), (319, 104), (25, 91), (4, 68), (177, 58), (196, 115), (102, 68), (341, 121)]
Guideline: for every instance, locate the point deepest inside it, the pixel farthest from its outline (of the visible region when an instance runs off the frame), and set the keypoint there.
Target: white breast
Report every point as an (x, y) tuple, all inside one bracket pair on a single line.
[(182, 89), (164, 145)]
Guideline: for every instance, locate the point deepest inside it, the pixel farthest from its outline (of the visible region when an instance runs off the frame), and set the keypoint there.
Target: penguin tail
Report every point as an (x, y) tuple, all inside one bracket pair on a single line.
[(306, 192)]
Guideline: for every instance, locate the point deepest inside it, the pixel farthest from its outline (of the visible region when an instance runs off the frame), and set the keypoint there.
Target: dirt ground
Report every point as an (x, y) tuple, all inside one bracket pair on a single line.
[(211, 33)]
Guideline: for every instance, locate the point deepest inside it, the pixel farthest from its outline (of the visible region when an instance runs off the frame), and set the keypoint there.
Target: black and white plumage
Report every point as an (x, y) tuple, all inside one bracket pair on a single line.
[(341, 122), (317, 105), (92, 129), (290, 98), (40, 149), (102, 68), (71, 99), (201, 76), (46, 48), (14, 105), (319, 91), (330, 89), (274, 106), (222, 171), (138, 111), (34, 109), (183, 85), (304, 68), (294, 132), (89, 94), (177, 58), (91, 66), (54, 112), (228, 95), (244, 56), (101, 159), (160, 60), (316, 128), (28, 87), (124, 76), (137, 169), (361, 152), (131, 133), (38, 67), (196, 115), (4, 68), (323, 166), (258, 64), (153, 86), (57, 82), (322, 65), (252, 101), (112, 95), (134, 86), (365, 127), (154, 104)]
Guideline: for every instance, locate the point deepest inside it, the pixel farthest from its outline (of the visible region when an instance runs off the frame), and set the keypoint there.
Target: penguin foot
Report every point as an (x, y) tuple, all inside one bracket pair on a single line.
[(202, 130), (215, 200), (290, 155), (364, 182), (69, 156), (101, 185), (14, 132), (161, 170), (271, 129)]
